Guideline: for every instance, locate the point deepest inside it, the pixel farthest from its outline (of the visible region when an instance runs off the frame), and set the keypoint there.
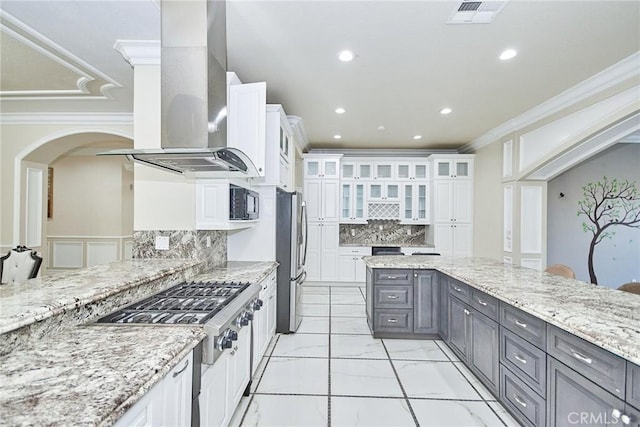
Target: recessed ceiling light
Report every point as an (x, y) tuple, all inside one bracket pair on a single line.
[(446, 110), (381, 127), (340, 110), (337, 136), (508, 54), (417, 136), (345, 55)]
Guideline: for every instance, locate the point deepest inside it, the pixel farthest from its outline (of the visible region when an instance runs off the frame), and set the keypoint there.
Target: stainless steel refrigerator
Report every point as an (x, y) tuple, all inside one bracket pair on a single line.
[(291, 254)]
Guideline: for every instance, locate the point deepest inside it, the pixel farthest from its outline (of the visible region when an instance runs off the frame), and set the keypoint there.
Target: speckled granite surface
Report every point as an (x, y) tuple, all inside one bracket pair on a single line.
[(89, 375), (391, 234), (239, 271), (43, 306), (603, 316)]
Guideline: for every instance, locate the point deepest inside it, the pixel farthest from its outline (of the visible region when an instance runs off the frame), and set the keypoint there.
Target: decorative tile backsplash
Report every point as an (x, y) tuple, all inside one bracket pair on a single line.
[(206, 245), (383, 233)]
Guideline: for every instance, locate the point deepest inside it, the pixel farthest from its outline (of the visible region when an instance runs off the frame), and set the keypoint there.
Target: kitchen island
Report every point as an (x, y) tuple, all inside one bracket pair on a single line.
[(62, 368), (552, 350)]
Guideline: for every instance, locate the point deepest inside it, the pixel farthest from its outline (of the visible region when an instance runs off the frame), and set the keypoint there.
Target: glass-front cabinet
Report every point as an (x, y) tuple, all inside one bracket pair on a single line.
[(352, 205), (321, 168), (415, 204), (356, 170), (409, 171), (449, 169), (383, 192), (384, 170)]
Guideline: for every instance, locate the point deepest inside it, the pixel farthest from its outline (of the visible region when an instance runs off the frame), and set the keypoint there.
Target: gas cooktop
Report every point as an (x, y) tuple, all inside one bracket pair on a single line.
[(185, 303)]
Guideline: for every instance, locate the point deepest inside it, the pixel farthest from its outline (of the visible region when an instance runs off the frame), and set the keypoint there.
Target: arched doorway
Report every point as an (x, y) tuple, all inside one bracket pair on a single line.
[(76, 208)]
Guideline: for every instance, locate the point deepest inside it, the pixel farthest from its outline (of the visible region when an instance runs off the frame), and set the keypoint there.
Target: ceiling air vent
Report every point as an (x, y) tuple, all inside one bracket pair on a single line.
[(476, 12)]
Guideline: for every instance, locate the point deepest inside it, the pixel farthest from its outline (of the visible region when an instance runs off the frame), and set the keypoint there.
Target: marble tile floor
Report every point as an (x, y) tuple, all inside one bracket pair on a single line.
[(331, 372)]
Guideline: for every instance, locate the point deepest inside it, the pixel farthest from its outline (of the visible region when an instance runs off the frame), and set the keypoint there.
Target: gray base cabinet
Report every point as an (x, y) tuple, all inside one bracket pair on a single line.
[(443, 306), (426, 308), (574, 400), (475, 338)]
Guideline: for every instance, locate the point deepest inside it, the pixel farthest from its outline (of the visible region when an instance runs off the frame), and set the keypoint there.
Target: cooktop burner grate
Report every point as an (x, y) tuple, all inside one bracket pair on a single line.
[(188, 302)]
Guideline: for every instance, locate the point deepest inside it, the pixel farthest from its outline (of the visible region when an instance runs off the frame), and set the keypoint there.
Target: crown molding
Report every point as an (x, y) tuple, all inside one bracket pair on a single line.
[(67, 118), (609, 77), (139, 52), (633, 138), (90, 83)]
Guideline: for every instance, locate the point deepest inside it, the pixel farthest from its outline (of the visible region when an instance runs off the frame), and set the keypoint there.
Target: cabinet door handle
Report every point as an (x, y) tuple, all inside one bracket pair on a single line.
[(626, 419), (457, 289), (521, 324), (467, 312), (520, 358), (392, 296), (175, 374), (481, 302), (581, 357), (392, 320), (520, 401)]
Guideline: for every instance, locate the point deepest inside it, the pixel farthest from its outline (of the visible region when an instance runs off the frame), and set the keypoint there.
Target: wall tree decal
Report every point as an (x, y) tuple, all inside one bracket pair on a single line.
[(607, 203)]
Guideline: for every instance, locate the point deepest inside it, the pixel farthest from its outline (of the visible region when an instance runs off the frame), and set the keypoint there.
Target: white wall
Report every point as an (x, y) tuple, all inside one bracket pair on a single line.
[(487, 202), (90, 196), (617, 260)]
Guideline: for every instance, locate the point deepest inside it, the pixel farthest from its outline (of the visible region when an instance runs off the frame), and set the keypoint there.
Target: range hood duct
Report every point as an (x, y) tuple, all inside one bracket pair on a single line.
[(194, 95)]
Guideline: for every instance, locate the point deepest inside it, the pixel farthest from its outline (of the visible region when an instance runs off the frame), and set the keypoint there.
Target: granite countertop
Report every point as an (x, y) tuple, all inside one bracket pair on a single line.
[(89, 375), (38, 299), (603, 316), (391, 245), (92, 374)]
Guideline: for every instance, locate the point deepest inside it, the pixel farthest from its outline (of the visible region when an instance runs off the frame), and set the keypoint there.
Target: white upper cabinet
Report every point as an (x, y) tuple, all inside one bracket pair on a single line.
[(246, 121), (415, 204), (352, 169), (383, 191), (315, 167), (412, 170), (453, 168), (352, 203), (384, 170), (279, 150)]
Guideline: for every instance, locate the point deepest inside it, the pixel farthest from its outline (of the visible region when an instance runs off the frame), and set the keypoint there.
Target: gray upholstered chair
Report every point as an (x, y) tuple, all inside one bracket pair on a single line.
[(633, 287), (19, 265), (561, 270)]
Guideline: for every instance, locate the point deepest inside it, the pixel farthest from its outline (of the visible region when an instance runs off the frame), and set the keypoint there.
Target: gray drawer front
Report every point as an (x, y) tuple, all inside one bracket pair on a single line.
[(527, 326), (521, 400), (633, 385), (527, 361), (393, 296), (459, 290), (393, 321), (484, 303), (393, 277), (603, 368)]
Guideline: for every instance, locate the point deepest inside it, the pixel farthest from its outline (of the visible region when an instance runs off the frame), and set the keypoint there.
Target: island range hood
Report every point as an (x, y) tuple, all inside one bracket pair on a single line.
[(193, 95)]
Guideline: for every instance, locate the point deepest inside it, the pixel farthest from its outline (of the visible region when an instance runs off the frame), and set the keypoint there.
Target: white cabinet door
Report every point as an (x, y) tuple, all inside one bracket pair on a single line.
[(313, 198), (312, 168), (346, 268), (247, 118), (147, 412), (443, 205), (259, 330), (177, 393), (239, 369), (314, 249), (330, 168), (360, 270), (462, 200), (214, 411), (329, 254), (271, 311), (330, 200), (462, 240), (443, 238)]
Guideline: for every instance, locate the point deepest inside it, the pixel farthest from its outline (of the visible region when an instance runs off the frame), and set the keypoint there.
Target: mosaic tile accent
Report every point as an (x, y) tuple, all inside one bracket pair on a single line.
[(392, 234)]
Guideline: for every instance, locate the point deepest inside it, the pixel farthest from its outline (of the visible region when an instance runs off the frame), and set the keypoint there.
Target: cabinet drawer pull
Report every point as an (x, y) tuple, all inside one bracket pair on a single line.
[(481, 302), (457, 289), (392, 296), (396, 277), (581, 357), (520, 401), (175, 374), (519, 358), (467, 312), (392, 320), (521, 324)]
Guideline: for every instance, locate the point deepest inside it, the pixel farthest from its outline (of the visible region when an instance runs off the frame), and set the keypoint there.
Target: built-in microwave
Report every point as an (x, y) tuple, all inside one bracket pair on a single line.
[(244, 204)]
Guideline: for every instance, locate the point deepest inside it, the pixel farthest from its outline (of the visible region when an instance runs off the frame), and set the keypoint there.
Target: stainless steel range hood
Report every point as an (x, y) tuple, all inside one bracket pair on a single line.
[(194, 95)]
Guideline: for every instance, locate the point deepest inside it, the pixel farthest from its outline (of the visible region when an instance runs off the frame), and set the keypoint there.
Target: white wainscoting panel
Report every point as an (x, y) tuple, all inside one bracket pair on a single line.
[(127, 253), (67, 255), (101, 253), (531, 219), (534, 263), (508, 219), (33, 209)]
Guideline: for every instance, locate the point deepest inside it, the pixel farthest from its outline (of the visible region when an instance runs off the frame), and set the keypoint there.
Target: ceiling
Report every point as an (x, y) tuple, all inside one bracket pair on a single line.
[(58, 57)]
